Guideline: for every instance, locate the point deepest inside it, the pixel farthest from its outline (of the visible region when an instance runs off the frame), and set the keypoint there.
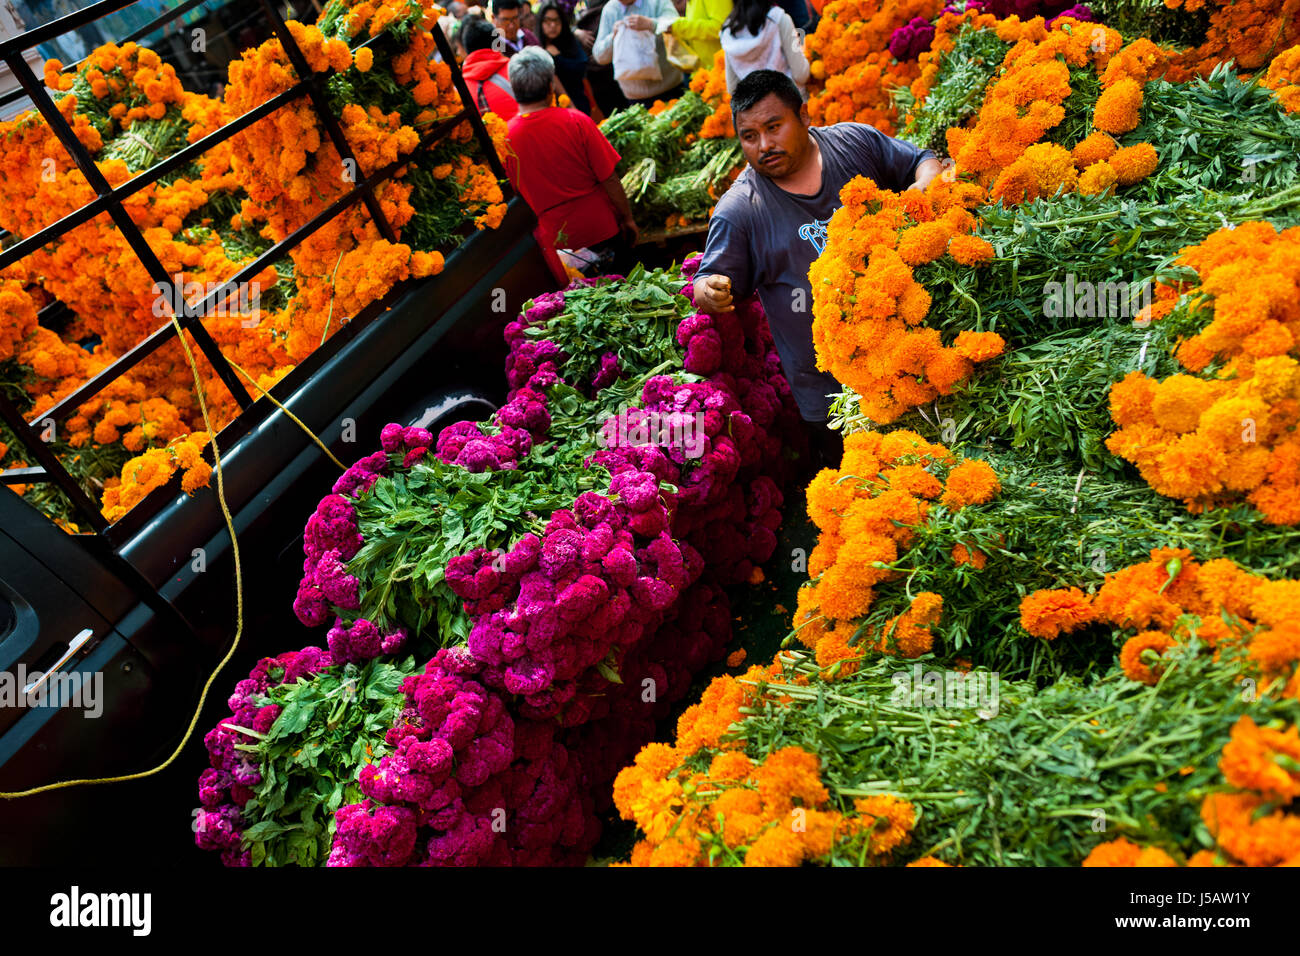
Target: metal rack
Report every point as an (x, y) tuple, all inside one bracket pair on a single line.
[(110, 200)]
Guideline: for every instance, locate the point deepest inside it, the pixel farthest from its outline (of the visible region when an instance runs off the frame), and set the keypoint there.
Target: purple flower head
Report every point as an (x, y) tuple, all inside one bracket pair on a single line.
[(912, 39), (1080, 11), (361, 475), (384, 837), (333, 525), (608, 372), (544, 308), (338, 587), (704, 353), (637, 490)]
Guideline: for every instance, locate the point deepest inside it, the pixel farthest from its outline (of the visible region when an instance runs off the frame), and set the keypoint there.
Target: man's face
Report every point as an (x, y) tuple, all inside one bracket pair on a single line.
[(773, 137), (507, 21)]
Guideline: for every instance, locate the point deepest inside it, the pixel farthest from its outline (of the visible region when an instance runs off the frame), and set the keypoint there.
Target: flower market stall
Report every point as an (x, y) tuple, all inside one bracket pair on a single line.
[(1047, 602)]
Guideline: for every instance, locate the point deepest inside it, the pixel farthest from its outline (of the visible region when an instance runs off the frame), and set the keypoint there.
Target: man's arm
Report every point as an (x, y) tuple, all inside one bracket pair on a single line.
[(925, 172), (664, 15), (893, 163), (793, 50), (706, 27), (725, 269)]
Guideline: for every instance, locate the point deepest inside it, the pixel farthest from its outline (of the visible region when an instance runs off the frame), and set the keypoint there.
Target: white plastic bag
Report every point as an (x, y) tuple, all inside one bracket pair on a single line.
[(636, 56)]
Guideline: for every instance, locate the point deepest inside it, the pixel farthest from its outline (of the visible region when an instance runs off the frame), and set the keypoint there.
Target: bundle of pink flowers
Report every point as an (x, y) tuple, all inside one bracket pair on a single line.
[(583, 635)]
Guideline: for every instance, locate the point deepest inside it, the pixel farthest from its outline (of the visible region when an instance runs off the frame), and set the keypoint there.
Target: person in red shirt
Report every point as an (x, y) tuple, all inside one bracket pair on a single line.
[(485, 70), (564, 167)]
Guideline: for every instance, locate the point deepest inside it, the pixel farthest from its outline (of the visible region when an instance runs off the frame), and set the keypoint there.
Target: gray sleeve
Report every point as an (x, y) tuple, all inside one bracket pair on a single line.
[(726, 253), (890, 162)]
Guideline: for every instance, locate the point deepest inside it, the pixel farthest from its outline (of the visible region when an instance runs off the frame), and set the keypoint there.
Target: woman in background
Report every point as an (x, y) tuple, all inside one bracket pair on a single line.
[(556, 34), (759, 35)]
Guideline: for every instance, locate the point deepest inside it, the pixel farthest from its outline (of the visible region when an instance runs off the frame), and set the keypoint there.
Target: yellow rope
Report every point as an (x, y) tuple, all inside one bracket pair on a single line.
[(239, 593), (311, 434)]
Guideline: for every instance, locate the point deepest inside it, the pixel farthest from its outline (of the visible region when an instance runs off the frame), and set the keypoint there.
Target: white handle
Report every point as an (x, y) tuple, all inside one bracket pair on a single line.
[(73, 646)]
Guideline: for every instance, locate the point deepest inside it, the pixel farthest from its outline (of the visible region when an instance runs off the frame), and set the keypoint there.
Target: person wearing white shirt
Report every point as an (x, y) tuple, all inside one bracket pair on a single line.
[(759, 35), (653, 15)]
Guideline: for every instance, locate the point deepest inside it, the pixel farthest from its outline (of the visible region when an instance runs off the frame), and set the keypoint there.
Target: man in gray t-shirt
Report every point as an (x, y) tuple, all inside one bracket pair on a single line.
[(771, 224)]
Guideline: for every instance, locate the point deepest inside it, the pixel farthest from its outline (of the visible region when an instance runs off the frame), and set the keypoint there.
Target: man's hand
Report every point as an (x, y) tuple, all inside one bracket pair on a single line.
[(586, 38), (638, 22), (925, 172), (713, 294)]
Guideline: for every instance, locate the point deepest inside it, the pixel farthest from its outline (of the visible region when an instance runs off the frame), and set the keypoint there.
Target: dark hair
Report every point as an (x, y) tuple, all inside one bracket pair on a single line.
[(566, 42), (477, 34), (499, 5), (749, 15), (761, 84)]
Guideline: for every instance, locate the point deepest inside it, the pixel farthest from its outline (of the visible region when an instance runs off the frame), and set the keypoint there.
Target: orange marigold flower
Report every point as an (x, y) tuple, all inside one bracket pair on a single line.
[(979, 346), (888, 820), (970, 251), (973, 482), (1134, 163), (1250, 760), (1050, 613), (972, 556), (1117, 107), (1099, 179), (1123, 853), (1095, 148), (1131, 656)]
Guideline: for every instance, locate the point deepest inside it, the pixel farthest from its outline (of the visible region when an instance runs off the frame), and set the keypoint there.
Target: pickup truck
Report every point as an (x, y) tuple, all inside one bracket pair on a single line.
[(145, 608)]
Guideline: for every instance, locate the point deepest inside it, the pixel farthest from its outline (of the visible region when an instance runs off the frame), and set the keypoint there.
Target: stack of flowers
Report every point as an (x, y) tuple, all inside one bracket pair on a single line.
[(214, 216), (568, 634), (1210, 437), (964, 590), (855, 68), (868, 310)]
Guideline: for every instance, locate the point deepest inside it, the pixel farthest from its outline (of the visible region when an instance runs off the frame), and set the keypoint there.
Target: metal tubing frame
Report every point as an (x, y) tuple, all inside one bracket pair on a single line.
[(109, 199)]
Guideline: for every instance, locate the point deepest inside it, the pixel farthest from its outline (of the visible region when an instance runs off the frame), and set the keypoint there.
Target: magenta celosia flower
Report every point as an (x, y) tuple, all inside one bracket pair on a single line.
[(608, 371)]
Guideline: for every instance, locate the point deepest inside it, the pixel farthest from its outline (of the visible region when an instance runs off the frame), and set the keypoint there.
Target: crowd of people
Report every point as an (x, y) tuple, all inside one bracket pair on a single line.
[(553, 72), (593, 42)]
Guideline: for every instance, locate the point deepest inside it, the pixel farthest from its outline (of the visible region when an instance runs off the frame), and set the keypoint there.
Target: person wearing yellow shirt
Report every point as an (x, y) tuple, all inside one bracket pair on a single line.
[(700, 26)]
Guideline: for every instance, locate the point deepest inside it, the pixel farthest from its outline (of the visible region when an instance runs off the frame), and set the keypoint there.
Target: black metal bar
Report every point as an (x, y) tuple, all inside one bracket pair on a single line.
[(54, 470), (175, 13), (90, 388), (360, 192), (475, 121), (124, 223), (48, 31), (22, 476), (144, 178), (328, 119), (120, 366)]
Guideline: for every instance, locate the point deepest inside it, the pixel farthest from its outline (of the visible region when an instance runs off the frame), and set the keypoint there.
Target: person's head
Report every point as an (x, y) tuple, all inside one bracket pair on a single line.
[(505, 14), (771, 123), (553, 24), (747, 15), (531, 71), (457, 9), (476, 34)]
